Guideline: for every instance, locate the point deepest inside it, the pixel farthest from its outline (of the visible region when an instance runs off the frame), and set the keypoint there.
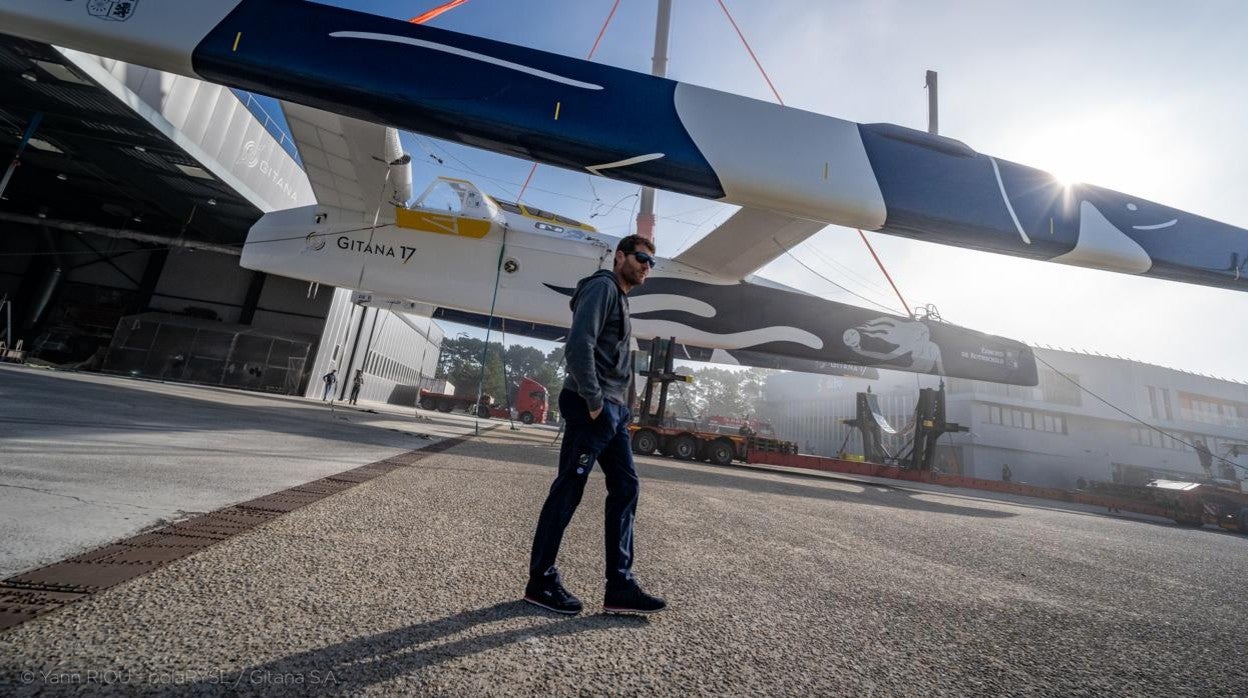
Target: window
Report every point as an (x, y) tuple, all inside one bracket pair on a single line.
[(1060, 388), (1145, 436), (538, 213), (960, 386), (1159, 403), (566, 221), (1024, 419)]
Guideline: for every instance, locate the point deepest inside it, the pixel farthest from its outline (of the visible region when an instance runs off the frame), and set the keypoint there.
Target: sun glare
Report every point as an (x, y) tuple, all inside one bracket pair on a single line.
[(1094, 150), (1067, 159), (1064, 178)]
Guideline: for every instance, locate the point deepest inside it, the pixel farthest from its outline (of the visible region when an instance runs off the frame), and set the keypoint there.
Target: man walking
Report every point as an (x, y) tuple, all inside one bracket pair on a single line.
[(330, 379), (594, 406), (356, 383)]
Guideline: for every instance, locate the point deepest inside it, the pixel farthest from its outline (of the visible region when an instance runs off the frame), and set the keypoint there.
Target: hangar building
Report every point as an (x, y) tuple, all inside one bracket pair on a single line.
[(123, 213)]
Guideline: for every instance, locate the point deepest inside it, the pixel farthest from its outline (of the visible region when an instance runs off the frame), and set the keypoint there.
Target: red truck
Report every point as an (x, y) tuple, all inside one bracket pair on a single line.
[(531, 403)]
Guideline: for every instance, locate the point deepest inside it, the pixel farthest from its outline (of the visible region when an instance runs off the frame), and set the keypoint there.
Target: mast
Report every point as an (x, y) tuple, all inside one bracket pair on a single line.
[(662, 29)]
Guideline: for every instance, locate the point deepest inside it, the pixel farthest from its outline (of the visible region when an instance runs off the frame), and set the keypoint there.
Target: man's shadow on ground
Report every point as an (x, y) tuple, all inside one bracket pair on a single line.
[(374, 659)]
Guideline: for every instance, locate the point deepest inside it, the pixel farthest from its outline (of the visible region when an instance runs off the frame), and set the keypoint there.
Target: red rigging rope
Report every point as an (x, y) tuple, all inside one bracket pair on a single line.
[(422, 18), (905, 306), (750, 50), (592, 50), (525, 186), (603, 30)]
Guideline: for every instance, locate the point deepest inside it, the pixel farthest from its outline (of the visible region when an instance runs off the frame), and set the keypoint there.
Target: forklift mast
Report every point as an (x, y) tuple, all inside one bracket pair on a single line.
[(658, 373)]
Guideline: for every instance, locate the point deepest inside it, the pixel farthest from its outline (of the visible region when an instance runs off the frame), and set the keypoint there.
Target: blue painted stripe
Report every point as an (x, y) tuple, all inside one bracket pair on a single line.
[(461, 88), (939, 190)]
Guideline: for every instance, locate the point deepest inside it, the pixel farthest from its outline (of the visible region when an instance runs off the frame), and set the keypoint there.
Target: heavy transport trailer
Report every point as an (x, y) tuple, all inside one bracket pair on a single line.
[(653, 433), (445, 402), (688, 444), (1220, 503), (531, 403)]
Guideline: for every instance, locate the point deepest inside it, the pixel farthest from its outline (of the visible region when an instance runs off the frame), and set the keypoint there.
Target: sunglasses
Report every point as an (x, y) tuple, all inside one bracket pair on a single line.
[(643, 258)]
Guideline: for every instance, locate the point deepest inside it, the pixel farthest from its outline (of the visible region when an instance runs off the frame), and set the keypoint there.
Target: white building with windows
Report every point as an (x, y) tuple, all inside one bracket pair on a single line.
[(397, 351), (1091, 417)]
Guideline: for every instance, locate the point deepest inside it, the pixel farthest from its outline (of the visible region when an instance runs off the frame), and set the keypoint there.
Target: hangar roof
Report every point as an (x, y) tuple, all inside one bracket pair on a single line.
[(96, 161)]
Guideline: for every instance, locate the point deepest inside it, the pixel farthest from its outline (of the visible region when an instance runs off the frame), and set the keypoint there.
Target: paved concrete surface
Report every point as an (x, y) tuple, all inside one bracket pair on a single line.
[(86, 458), (778, 585)]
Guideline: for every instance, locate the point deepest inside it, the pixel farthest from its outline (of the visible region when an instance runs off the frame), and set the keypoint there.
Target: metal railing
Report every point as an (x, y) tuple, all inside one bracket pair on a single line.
[(1190, 415)]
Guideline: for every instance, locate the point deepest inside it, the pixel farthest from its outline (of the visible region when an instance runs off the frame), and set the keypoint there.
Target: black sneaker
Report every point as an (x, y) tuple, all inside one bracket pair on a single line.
[(630, 598), (551, 596)]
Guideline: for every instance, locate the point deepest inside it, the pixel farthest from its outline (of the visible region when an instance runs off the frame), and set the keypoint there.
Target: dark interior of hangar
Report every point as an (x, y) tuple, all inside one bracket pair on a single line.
[(103, 216)]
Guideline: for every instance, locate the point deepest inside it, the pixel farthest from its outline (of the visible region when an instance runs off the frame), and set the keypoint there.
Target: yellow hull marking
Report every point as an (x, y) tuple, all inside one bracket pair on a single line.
[(441, 224)]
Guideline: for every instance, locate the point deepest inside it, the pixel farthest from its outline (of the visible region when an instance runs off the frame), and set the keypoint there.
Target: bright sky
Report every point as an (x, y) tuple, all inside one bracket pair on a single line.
[(1142, 96)]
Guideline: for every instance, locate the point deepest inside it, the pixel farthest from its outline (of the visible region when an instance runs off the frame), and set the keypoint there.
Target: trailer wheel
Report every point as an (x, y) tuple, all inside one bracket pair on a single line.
[(645, 442), (445, 405), (686, 447), (428, 403), (720, 452), (526, 417)]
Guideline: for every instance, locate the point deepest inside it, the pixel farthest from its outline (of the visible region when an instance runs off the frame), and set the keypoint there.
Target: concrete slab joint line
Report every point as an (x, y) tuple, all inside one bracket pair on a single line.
[(34, 593)]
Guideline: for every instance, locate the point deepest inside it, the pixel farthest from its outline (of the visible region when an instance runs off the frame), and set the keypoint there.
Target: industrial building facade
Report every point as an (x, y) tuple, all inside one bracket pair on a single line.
[(1053, 434)]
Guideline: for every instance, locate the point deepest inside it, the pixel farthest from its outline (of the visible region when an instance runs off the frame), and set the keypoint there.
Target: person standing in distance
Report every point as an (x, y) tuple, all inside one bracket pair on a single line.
[(593, 403)]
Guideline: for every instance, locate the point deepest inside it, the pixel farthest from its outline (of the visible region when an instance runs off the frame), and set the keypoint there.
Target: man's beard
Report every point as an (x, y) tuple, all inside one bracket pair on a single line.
[(635, 278)]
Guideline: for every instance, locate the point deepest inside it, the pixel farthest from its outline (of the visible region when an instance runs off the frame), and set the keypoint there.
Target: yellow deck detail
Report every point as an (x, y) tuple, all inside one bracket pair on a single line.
[(442, 224)]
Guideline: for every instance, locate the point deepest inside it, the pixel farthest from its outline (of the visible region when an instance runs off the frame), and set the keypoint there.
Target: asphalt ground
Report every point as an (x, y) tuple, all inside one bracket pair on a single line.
[(779, 583), (87, 458)]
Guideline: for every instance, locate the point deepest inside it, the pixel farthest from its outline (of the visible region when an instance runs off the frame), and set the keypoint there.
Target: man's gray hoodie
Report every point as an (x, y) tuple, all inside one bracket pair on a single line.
[(597, 349)]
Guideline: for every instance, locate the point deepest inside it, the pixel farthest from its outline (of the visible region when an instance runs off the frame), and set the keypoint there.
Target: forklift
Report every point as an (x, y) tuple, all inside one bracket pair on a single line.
[(653, 431)]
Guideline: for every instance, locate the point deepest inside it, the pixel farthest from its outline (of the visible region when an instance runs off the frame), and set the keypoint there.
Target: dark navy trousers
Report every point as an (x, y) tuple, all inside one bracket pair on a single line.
[(605, 440)]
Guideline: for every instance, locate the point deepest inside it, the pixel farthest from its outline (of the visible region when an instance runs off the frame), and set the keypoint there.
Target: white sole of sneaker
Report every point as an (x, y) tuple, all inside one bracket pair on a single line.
[(552, 609)]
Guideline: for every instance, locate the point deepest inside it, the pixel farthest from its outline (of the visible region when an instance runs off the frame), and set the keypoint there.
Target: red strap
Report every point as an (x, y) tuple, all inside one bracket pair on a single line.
[(904, 305), (526, 182), (421, 19), (747, 48), (603, 30), (591, 55)]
